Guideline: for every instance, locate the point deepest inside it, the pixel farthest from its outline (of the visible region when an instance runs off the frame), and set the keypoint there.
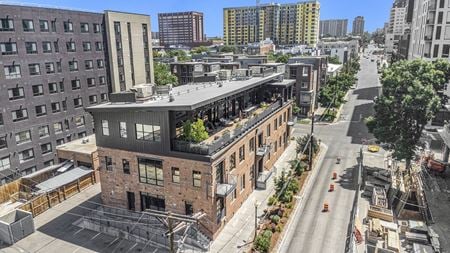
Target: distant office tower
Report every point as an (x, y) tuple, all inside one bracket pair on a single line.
[(284, 24), (358, 26), (130, 52), (333, 27), (54, 63), (397, 25), (181, 28)]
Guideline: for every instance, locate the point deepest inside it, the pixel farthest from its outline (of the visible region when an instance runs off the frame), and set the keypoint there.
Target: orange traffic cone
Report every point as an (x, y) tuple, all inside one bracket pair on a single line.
[(325, 207), (331, 188), (334, 175)]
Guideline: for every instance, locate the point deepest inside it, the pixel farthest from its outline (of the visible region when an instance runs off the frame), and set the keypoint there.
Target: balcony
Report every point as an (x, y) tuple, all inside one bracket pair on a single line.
[(263, 150), (223, 189), (231, 131)]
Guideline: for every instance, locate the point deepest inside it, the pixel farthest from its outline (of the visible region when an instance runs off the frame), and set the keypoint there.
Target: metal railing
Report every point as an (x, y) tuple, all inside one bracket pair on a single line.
[(226, 138)]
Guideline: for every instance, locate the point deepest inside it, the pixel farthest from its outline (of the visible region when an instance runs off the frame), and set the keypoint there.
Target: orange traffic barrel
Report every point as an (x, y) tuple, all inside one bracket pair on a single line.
[(331, 187), (334, 175), (325, 207)]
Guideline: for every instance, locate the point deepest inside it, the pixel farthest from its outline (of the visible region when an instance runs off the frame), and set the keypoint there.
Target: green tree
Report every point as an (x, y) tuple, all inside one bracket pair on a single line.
[(180, 54), (195, 131), (163, 75), (334, 60), (199, 50), (284, 58), (303, 141), (262, 241), (228, 49), (408, 102)]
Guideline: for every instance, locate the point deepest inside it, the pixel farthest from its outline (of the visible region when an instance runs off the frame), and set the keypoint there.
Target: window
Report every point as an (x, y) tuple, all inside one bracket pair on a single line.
[(82, 134), (8, 48), (66, 124), (103, 97), (18, 115), (105, 128), (28, 25), (38, 90), (98, 46), (46, 148), (440, 17), (445, 51), (251, 144), (242, 153), (43, 131), (96, 28), (87, 46), (275, 124), (233, 161), (123, 129), (46, 47), (61, 86), (35, 69), (233, 195), (100, 63), (4, 163), (77, 102), (53, 25), (58, 127), (22, 137), (90, 81), (68, 27), (148, 132), (6, 25), (56, 107), (41, 110), (108, 163), (70, 45), (3, 143), (1, 119), (56, 46), (175, 175), (84, 27), (438, 32), (26, 155), (268, 130), (152, 202), (12, 71), (49, 67), (196, 178), (93, 99), (126, 166), (52, 88), (73, 66), (150, 171), (88, 64), (31, 47), (49, 163), (16, 93), (243, 182), (76, 85), (59, 141), (64, 105), (101, 80), (43, 25), (79, 121)]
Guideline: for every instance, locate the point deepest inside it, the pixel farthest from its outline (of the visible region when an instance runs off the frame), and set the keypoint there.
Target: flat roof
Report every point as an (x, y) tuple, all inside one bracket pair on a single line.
[(78, 146), (284, 83), (63, 179), (191, 96)]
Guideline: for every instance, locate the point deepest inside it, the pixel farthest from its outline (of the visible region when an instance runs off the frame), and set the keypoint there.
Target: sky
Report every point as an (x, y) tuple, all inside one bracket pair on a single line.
[(375, 12)]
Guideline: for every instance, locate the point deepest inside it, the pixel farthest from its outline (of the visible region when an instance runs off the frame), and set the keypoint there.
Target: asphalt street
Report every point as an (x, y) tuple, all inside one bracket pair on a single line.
[(317, 231)]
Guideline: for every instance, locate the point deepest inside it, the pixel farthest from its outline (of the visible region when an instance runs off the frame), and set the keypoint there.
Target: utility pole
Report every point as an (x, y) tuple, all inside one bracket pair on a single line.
[(311, 141)]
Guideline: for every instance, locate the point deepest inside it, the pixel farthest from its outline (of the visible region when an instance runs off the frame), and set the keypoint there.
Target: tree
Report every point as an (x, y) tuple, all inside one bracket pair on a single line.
[(284, 58), (334, 60), (228, 49), (180, 54), (408, 102), (303, 141), (199, 50), (163, 76), (195, 131)]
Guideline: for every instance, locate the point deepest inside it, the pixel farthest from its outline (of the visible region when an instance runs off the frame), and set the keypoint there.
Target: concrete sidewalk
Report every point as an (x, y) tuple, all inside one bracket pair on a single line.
[(239, 231)]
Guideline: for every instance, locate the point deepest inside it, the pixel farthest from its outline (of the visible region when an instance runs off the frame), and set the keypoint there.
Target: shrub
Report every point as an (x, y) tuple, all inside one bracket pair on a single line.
[(289, 206), (267, 234), (262, 241), (272, 201), (293, 186), (275, 219), (286, 197), (279, 228)]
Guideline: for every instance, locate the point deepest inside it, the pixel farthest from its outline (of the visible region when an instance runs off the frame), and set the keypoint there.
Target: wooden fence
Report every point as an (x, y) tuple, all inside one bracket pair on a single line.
[(42, 203), (8, 190)]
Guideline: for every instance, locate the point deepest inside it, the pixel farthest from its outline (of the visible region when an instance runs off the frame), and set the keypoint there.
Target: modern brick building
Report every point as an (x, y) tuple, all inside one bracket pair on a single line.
[(181, 28), (146, 162), (54, 63)]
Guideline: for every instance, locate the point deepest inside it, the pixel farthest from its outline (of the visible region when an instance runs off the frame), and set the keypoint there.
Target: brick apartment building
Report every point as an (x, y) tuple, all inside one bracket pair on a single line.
[(146, 163)]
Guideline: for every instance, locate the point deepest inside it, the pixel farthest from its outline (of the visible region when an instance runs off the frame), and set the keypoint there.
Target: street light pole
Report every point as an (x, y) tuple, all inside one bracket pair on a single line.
[(256, 220), (311, 141)]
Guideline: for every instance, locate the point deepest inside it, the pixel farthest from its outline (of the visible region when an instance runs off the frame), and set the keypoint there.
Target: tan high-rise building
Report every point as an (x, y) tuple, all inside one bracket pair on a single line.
[(285, 24), (181, 28), (130, 49)]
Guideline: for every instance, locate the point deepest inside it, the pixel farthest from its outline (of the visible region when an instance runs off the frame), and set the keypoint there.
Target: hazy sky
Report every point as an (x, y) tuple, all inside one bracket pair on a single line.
[(375, 12)]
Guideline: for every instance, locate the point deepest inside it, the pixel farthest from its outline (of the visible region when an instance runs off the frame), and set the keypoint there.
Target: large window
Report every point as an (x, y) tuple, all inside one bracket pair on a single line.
[(31, 47), (123, 129), (12, 71), (105, 127), (152, 202), (58, 127), (43, 24), (26, 155), (150, 171), (22, 137), (197, 178), (6, 24), (175, 175), (35, 69), (8, 48), (46, 148), (28, 25), (4, 163), (41, 110), (68, 26), (16, 93), (148, 132), (18, 115), (43, 131)]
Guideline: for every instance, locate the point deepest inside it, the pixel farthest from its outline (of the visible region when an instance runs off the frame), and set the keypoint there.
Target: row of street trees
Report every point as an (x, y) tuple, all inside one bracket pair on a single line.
[(411, 96)]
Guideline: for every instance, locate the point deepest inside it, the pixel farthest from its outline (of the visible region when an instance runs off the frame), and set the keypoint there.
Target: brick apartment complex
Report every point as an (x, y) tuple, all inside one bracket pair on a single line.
[(54, 63), (181, 28), (146, 163)]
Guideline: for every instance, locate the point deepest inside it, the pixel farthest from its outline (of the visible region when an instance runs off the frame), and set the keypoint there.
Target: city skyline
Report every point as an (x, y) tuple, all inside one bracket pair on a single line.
[(213, 12)]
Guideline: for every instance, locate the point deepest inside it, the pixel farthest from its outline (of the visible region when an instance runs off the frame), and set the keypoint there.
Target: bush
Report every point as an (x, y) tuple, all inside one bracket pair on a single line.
[(262, 242), (286, 197), (272, 201), (267, 234), (275, 219), (279, 228), (293, 186), (289, 206)]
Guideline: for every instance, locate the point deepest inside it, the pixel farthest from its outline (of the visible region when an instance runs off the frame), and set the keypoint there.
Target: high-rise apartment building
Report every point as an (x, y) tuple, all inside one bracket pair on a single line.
[(284, 24), (54, 63), (397, 25), (333, 27), (181, 28), (430, 31), (130, 50), (358, 26)]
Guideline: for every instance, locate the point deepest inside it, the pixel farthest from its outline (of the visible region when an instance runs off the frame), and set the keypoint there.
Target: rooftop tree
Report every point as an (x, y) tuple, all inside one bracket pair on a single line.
[(163, 75), (409, 100)]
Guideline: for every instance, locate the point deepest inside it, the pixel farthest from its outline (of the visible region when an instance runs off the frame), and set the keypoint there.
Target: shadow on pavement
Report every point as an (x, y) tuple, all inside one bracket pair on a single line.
[(357, 129), (367, 93)]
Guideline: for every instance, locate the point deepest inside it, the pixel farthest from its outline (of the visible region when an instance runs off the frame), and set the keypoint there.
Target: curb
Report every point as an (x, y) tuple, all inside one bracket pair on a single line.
[(300, 203)]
